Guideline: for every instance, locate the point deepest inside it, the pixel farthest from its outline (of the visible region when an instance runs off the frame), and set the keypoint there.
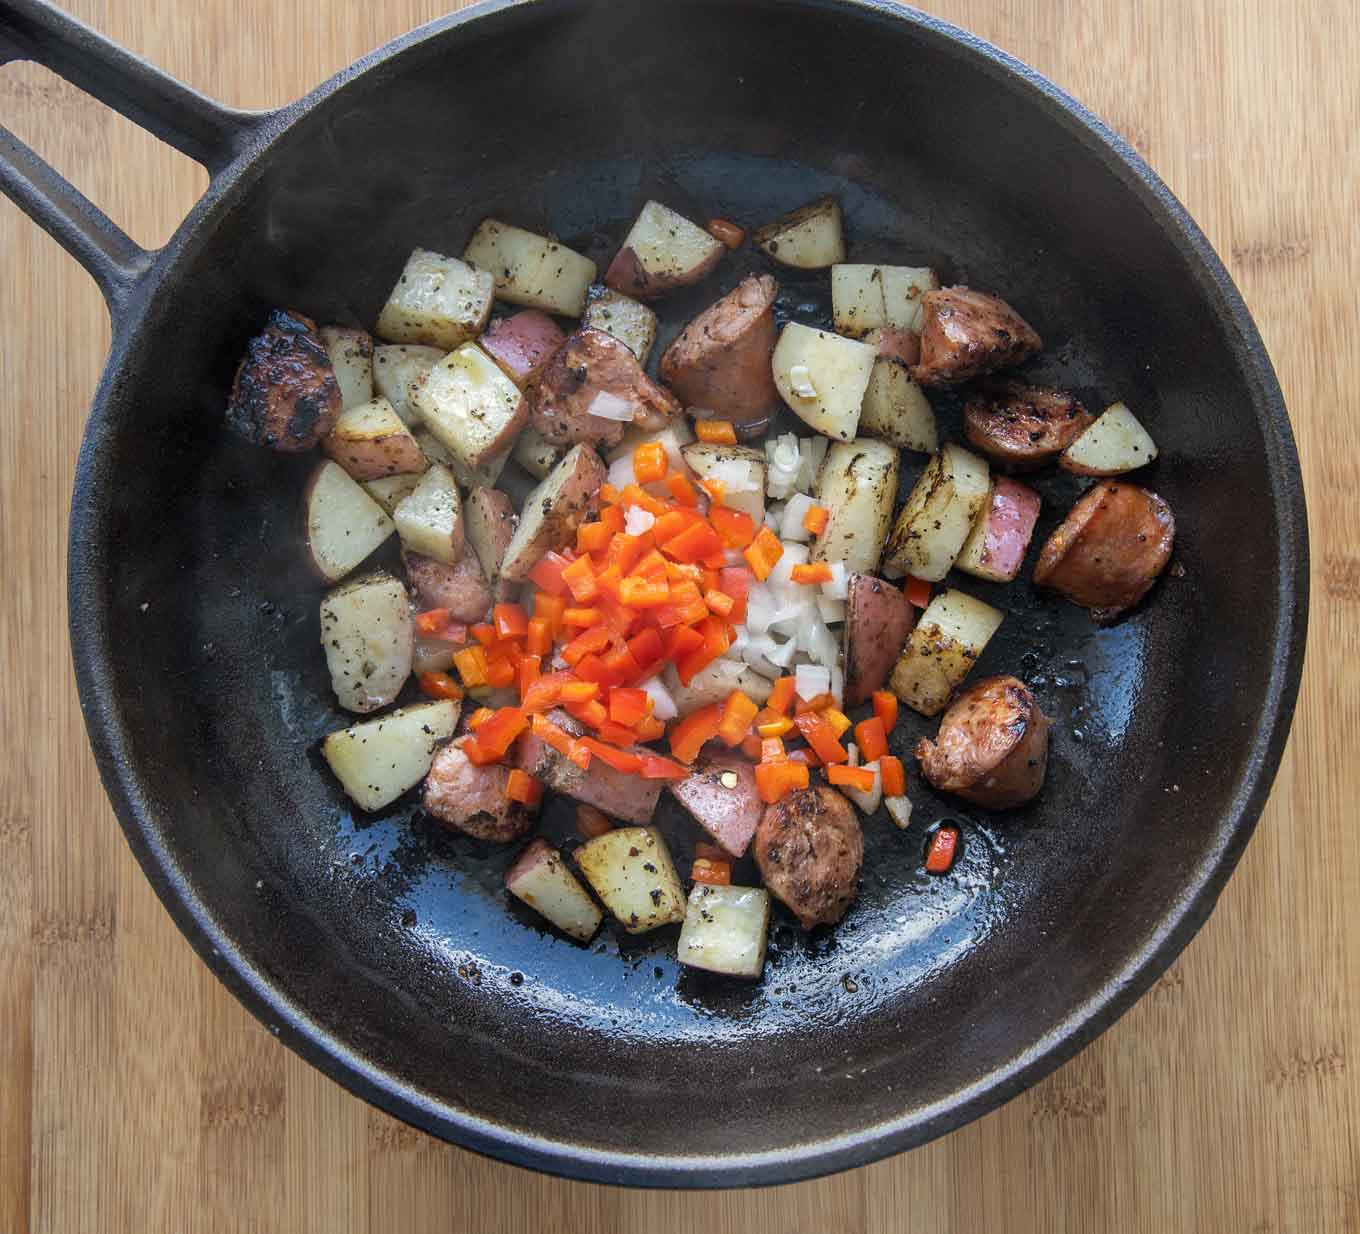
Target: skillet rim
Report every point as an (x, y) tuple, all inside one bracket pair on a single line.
[(105, 723)]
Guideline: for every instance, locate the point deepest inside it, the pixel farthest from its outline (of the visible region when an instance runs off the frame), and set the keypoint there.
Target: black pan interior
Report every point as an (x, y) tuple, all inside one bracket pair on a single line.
[(389, 951)]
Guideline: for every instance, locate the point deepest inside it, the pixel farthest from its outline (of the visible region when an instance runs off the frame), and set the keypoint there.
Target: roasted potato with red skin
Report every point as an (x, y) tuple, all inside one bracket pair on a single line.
[(489, 521), (721, 360), (589, 367), (878, 619), (464, 797), (523, 344), (371, 441), (619, 794), (1021, 427), (285, 395), (809, 848), (996, 547), (460, 588), (729, 813), (1109, 550), (992, 747), (554, 510), (966, 333), (662, 252)]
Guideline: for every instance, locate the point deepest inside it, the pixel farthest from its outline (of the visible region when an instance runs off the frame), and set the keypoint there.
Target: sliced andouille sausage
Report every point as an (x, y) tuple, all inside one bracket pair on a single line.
[(992, 747), (809, 848), (460, 588), (1021, 427), (966, 333), (285, 394), (722, 796), (592, 389), (878, 619), (468, 798), (619, 794), (721, 360), (1109, 550)]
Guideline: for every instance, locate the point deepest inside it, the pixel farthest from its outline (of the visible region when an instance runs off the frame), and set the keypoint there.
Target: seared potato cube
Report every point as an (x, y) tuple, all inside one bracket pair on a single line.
[(437, 300), (662, 252), (632, 323), (554, 510), (396, 369), (1114, 444), (370, 441), (631, 870), (536, 456), (725, 930), (810, 238), (823, 377), (938, 516), (344, 523), (896, 409), (430, 520), (858, 486), (389, 491), (369, 636), (377, 760), (865, 298), (530, 269), (351, 353), (941, 652), (541, 880), (471, 406)]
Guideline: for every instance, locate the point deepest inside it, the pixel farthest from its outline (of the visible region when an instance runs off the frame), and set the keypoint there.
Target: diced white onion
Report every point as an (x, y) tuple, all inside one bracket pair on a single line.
[(838, 587), (663, 705), (810, 680), (818, 641), (611, 407), (432, 655), (867, 801), (738, 643), (838, 685), (813, 455), (800, 380), (831, 610), (781, 654), (781, 577), (791, 526), (621, 472), (636, 520), (900, 809), (772, 519), (784, 460), (736, 475), (753, 654)]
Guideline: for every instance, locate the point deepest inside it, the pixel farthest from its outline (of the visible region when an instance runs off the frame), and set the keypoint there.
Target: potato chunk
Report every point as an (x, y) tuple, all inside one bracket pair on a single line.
[(725, 930), (629, 321), (530, 269), (631, 870), (823, 377), (437, 300), (396, 368), (941, 652), (344, 523), (662, 252), (369, 636), (430, 520), (351, 353), (938, 516), (858, 485), (471, 406), (541, 880), (811, 238), (865, 298), (370, 441), (377, 760), (554, 510)]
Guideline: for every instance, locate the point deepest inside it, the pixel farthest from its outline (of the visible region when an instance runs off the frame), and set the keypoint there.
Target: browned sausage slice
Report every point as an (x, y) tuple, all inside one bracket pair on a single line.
[(809, 848), (721, 361), (992, 748), (469, 798), (593, 369), (460, 588), (285, 395), (1109, 550), (967, 333), (1021, 427)]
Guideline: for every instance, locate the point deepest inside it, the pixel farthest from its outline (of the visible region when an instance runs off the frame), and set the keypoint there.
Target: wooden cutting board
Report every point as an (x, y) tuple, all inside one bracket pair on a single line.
[(136, 1095)]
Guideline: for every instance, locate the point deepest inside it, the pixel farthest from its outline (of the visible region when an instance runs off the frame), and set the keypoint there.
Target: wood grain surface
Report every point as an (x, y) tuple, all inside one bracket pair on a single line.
[(137, 1095)]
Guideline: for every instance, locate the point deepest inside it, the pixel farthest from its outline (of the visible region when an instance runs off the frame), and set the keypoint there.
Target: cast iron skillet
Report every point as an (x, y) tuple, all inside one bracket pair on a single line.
[(386, 953)]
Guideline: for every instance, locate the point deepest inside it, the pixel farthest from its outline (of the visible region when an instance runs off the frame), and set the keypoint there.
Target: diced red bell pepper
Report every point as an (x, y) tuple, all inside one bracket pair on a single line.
[(872, 740), (894, 776), (851, 777), (695, 543), (522, 787), (649, 462), (688, 735), (440, 685), (471, 665), (885, 708), (620, 760), (682, 491), (654, 767), (764, 553), (647, 651), (716, 873), (917, 591), (638, 592), (737, 713), (511, 621), (496, 736), (627, 706), (820, 737), (774, 781), (782, 696), (735, 581), (736, 527), (546, 574), (584, 643), (942, 850), (580, 578)]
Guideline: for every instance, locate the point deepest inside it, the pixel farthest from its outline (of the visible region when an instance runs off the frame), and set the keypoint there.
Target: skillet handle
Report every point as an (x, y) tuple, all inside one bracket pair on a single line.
[(193, 124)]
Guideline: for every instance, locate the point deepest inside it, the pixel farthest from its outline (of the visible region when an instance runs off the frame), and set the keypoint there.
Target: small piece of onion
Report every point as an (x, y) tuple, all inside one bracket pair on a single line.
[(800, 380), (611, 407)]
